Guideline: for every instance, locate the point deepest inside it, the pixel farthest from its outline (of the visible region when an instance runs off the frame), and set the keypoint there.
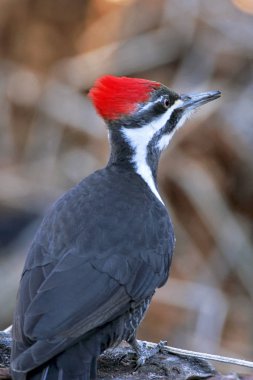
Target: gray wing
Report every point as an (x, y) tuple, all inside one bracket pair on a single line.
[(75, 298)]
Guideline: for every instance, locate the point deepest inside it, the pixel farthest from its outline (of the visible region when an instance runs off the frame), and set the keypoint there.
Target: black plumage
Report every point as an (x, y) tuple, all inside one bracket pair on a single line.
[(86, 282), (105, 246)]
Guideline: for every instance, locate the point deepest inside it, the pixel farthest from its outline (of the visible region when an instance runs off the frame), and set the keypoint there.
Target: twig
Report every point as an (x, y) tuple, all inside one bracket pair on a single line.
[(202, 355)]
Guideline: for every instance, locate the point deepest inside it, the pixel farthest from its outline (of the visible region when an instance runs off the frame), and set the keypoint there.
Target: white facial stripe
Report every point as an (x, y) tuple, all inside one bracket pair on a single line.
[(151, 104), (164, 141), (139, 139)]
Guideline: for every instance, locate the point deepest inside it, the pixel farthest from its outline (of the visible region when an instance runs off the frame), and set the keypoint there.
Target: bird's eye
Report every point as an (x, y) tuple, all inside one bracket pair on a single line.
[(166, 103)]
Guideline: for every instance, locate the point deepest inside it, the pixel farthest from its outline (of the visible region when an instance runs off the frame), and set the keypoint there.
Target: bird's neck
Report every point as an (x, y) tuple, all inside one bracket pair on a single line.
[(135, 154)]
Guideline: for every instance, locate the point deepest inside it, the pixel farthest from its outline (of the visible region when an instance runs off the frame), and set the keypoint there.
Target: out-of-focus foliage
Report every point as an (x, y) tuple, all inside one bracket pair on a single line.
[(50, 138)]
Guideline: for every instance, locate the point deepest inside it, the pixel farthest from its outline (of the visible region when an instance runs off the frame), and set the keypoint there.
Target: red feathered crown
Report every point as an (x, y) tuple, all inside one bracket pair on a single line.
[(117, 96)]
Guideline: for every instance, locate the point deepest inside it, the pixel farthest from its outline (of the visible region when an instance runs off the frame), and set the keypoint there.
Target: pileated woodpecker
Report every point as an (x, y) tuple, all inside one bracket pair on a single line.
[(106, 245)]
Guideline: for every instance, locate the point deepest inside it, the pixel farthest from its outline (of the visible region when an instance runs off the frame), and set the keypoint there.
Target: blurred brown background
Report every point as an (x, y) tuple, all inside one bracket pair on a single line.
[(50, 138)]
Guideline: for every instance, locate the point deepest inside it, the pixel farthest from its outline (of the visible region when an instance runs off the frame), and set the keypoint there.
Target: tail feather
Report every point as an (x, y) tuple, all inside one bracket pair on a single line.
[(51, 372), (75, 363)]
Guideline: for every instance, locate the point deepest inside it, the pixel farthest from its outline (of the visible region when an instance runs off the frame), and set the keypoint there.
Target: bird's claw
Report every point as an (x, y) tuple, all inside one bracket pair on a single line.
[(129, 358), (143, 353)]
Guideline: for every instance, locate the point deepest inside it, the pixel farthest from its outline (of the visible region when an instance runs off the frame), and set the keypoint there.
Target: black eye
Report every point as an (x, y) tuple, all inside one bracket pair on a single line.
[(166, 103)]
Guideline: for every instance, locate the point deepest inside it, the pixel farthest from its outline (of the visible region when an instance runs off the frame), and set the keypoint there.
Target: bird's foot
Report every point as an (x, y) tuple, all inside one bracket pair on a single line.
[(144, 353)]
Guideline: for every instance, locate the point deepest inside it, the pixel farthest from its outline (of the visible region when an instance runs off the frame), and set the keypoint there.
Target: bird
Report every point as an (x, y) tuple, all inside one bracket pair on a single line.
[(106, 245)]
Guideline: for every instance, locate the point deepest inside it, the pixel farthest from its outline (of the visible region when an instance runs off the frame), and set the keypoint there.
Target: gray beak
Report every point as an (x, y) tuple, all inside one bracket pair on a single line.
[(193, 101)]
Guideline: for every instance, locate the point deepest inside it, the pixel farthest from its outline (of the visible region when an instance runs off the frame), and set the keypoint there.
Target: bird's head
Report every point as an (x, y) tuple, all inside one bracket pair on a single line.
[(144, 108), (142, 113)]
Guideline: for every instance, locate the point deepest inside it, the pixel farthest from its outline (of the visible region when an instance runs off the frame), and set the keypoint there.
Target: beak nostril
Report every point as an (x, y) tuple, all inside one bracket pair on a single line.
[(185, 97), (197, 100)]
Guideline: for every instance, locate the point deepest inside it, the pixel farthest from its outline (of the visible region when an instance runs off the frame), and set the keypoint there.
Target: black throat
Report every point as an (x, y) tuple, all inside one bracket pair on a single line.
[(121, 152)]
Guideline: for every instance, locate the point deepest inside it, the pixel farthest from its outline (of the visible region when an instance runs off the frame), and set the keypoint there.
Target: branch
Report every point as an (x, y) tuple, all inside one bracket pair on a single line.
[(118, 363), (203, 355)]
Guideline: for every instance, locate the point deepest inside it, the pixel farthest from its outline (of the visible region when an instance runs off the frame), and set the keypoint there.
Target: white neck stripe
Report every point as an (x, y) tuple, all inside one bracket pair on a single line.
[(139, 139)]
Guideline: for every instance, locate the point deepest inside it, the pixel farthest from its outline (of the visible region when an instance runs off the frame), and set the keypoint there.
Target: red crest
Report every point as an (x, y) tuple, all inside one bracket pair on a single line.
[(117, 96)]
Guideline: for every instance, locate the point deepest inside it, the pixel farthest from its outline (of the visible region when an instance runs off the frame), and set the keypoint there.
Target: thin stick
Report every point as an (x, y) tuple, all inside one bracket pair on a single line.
[(202, 355)]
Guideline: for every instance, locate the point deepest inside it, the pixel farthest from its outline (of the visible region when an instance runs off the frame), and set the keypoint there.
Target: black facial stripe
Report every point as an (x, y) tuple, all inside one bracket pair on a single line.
[(173, 121), (153, 152), (168, 128)]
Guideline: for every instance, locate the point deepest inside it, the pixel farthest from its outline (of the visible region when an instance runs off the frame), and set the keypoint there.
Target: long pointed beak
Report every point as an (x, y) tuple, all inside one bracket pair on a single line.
[(193, 101)]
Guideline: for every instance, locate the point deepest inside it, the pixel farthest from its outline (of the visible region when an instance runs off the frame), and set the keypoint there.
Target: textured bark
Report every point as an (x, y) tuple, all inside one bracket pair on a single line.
[(118, 364)]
